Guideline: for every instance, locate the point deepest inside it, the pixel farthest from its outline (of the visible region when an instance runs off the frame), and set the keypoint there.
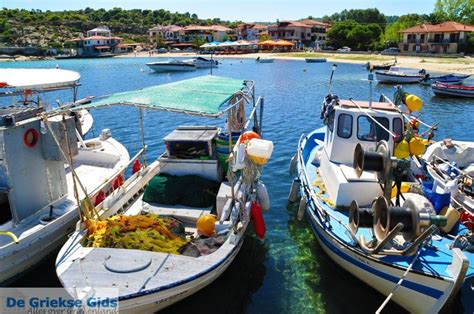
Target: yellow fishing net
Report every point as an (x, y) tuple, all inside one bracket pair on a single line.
[(147, 232)]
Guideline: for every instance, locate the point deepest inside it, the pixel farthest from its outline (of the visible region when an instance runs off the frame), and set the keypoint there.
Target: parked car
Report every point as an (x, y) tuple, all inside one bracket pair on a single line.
[(175, 50), (328, 48), (391, 50), (189, 49), (344, 49), (162, 50)]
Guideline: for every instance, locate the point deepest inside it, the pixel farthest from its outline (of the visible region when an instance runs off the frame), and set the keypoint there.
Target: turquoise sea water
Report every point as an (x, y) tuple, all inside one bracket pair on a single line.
[(287, 272)]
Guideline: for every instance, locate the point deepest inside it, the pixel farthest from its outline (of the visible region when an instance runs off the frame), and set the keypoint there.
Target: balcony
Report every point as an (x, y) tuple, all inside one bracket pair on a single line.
[(442, 41)]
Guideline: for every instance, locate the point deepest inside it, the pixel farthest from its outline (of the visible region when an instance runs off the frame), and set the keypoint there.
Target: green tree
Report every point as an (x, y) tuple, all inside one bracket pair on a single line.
[(263, 37), (339, 32), (456, 10)]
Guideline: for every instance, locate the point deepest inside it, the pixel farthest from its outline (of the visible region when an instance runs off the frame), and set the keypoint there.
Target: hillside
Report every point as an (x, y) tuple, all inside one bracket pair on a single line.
[(19, 27)]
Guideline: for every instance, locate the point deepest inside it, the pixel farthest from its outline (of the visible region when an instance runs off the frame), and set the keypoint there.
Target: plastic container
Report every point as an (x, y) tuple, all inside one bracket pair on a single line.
[(439, 200), (259, 151)]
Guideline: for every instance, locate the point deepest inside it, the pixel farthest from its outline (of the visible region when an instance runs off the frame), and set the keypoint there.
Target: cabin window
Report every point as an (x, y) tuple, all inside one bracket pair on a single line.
[(368, 130), (398, 129), (344, 125)]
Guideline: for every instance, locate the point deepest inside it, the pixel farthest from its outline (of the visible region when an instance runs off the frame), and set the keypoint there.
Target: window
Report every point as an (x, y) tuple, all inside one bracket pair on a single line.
[(398, 129), (368, 130), (344, 125)]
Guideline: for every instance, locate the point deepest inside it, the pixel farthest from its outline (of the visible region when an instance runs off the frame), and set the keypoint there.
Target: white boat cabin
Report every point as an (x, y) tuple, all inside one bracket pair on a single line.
[(347, 125)]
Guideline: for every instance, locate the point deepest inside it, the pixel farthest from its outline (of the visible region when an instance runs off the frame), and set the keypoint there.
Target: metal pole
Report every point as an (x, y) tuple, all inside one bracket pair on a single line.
[(371, 79), (261, 117), (212, 62), (142, 133)]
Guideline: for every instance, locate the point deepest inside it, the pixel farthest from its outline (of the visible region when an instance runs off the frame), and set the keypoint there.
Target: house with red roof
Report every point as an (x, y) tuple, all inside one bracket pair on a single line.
[(250, 31), (446, 37), (99, 41)]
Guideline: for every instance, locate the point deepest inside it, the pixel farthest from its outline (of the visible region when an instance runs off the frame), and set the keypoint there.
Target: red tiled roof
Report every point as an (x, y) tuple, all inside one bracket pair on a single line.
[(443, 27), (260, 26), (313, 22)]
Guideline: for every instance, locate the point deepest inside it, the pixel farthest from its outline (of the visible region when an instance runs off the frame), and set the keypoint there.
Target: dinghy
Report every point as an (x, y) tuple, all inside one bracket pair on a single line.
[(383, 66), (400, 246), (264, 60), (446, 79), (442, 89), (399, 76), (196, 247)]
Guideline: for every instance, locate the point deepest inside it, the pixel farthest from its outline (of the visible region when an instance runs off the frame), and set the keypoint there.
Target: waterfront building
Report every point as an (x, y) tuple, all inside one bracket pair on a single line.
[(99, 41), (307, 32), (250, 31), (447, 37), (170, 33)]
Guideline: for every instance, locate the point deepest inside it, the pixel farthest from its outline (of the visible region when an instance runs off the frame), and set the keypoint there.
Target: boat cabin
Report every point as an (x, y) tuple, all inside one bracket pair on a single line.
[(348, 124)]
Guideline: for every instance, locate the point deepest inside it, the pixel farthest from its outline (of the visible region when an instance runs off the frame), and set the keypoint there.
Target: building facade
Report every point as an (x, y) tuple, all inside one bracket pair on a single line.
[(307, 32), (250, 31), (169, 33), (446, 37), (98, 41)]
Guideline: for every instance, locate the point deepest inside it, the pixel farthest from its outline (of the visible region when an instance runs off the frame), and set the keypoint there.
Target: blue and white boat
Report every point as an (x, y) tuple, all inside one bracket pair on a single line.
[(345, 171), (447, 79)]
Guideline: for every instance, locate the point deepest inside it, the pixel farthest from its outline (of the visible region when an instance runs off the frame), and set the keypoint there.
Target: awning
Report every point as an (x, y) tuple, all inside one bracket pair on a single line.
[(38, 79), (205, 96), (102, 47)]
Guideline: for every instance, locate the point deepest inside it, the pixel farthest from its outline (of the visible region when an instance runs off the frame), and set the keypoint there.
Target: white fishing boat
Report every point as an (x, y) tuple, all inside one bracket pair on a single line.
[(399, 243), (203, 63), (171, 66), (400, 76), (24, 87), (40, 205), (150, 278)]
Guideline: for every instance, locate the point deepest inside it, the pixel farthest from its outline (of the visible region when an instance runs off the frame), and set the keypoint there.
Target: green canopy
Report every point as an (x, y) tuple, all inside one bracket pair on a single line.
[(204, 95)]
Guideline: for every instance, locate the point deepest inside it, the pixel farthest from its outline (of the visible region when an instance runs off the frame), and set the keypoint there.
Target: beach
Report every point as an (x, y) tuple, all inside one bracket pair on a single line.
[(463, 65)]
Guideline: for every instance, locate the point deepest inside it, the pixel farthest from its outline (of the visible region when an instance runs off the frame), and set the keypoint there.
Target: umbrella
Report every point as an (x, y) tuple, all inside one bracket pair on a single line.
[(267, 43), (284, 43), (210, 45)]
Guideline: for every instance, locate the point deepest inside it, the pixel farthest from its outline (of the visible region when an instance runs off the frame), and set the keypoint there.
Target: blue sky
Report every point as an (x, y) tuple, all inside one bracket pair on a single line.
[(246, 10)]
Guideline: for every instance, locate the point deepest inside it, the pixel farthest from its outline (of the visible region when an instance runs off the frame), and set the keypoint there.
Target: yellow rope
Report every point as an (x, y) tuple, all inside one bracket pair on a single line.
[(10, 234), (318, 183)]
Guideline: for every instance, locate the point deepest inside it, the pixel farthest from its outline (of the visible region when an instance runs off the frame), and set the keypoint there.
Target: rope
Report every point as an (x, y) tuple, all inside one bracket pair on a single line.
[(318, 183), (10, 234), (401, 278), (237, 115)]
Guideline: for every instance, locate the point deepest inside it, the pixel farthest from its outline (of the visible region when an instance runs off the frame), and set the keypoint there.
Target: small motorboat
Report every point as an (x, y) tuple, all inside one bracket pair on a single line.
[(203, 63), (264, 60), (171, 66), (183, 221), (315, 60), (446, 79), (384, 66), (442, 89), (398, 76)]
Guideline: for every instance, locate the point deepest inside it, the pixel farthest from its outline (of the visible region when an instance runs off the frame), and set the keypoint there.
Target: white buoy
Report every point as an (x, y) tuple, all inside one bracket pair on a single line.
[(295, 186), (301, 208), (262, 196)]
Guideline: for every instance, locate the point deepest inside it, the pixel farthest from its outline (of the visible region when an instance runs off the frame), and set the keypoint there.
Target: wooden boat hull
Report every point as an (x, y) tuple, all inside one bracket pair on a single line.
[(446, 90), (397, 78), (420, 292)]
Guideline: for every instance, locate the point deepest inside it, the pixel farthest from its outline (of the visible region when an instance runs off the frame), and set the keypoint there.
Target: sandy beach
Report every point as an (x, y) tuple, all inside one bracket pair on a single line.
[(463, 65)]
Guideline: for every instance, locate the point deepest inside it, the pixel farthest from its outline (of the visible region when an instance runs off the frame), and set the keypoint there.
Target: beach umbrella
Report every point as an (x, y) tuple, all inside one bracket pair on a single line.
[(210, 45), (267, 43), (284, 43)]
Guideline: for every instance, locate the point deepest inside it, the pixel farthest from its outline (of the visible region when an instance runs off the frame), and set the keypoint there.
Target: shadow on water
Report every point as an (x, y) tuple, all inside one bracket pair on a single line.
[(335, 290), (232, 291)]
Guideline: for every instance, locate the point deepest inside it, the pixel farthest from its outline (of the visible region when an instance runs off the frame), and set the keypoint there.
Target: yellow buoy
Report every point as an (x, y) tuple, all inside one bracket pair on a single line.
[(404, 189), (402, 150), (416, 146), (206, 225), (413, 102)]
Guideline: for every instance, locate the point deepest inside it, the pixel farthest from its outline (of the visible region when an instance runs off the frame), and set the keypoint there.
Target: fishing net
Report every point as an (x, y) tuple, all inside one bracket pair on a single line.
[(147, 232)]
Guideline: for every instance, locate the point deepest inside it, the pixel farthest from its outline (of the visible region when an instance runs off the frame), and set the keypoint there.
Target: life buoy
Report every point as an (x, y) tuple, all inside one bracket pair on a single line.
[(30, 138), (257, 217)]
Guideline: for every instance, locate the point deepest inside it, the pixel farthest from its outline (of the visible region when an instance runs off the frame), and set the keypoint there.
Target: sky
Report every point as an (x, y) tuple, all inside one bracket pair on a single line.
[(245, 10)]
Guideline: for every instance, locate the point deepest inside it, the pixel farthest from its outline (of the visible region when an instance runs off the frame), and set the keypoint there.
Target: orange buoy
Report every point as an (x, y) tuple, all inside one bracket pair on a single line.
[(136, 166), (247, 136), (206, 225), (257, 217)]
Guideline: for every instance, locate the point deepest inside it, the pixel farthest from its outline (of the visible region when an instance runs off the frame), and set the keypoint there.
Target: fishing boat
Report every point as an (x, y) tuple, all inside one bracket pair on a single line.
[(44, 161), (443, 89), (203, 63), (383, 66), (400, 246), (446, 79), (202, 246), (264, 60), (24, 88), (171, 66), (451, 166), (399, 76), (315, 60)]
